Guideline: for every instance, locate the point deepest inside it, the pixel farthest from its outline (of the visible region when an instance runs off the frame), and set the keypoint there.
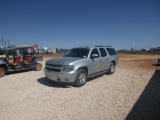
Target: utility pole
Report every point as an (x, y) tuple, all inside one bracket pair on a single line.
[(5, 44), (2, 41), (8, 43)]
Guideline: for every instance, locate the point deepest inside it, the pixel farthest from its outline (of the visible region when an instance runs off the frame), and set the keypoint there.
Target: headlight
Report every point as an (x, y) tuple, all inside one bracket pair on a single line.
[(67, 68)]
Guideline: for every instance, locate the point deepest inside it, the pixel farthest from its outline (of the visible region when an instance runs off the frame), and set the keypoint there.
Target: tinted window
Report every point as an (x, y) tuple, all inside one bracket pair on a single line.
[(95, 51), (111, 51), (103, 52), (77, 52)]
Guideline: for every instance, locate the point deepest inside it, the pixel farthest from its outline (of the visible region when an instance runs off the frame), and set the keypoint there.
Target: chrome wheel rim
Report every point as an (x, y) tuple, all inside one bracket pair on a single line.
[(112, 68), (39, 67), (82, 78), (1, 72)]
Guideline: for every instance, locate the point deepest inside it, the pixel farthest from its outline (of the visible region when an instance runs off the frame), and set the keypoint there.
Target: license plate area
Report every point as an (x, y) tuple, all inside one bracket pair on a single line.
[(51, 77)]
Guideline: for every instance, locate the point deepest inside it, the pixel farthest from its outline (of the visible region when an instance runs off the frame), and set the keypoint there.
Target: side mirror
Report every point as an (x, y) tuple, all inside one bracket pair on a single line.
[(94, 56)]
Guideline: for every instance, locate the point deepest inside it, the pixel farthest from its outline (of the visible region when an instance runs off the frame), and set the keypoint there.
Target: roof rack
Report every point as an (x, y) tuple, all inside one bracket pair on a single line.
[(102, 46), (14, 46), (17, 47), (96, 46), (90, 46)]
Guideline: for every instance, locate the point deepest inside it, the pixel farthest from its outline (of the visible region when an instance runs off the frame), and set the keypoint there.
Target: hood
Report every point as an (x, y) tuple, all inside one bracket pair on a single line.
[(62, 60)]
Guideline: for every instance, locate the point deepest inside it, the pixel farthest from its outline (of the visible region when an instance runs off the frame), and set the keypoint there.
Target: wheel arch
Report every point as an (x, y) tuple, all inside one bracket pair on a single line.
[(114, 62), (84, 68), (4, 66)]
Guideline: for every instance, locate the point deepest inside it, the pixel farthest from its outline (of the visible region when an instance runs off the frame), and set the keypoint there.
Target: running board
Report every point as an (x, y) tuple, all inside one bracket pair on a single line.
[(96, 74)]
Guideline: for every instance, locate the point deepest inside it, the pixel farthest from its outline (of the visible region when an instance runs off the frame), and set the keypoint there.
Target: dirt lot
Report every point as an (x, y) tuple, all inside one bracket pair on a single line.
[(132, 93)]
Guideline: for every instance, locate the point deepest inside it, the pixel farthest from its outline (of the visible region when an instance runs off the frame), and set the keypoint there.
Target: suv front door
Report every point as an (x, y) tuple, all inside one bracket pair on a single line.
[(94, 63)]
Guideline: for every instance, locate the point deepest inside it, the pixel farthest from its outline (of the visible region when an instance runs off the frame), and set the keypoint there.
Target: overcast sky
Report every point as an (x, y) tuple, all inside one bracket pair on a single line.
[(72, 23)]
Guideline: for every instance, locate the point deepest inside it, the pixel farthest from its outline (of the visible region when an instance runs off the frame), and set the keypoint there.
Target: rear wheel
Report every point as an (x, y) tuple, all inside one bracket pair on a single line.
[(2, 72), (111, 69), (81, 78), (38, 67)]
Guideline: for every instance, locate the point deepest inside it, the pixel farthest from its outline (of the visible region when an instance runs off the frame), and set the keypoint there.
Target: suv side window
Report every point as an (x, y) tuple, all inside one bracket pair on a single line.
[(95, 51), (103, 52), (111, 51)]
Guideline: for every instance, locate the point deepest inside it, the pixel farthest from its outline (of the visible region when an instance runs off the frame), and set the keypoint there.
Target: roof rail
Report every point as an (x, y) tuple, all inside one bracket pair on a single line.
[(95, 46), (13, 46), (102, 46)]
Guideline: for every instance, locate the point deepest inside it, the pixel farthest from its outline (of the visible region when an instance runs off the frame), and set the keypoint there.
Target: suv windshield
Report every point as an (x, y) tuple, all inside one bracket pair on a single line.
[(77, 52)]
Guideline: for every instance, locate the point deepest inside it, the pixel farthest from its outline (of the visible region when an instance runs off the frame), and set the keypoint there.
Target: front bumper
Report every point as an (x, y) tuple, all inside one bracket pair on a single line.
[(67, 77)]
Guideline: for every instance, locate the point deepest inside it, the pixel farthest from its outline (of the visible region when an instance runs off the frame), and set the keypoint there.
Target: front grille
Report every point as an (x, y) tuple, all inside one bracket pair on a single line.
[(54, 65), (54, 68)]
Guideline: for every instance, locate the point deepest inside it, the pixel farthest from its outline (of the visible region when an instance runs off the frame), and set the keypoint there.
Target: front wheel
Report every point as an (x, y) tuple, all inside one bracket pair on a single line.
[(111, 69), (2, 72), (38, 67), (81, 78)]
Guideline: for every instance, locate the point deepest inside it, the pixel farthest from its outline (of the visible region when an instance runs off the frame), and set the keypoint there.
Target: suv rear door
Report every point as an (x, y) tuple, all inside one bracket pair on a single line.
[(112, 54), (105, 61)]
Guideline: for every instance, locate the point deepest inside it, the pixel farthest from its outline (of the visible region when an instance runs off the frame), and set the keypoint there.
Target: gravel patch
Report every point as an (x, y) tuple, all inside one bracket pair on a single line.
[(30, 96)]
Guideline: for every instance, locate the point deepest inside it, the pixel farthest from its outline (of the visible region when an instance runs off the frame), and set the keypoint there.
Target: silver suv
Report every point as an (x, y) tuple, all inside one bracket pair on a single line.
[(80, 63)]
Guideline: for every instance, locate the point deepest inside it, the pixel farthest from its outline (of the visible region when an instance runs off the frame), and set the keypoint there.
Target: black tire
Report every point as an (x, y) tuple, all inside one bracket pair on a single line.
[(81, 78), (38, 67), (2, 72), (111, 69)]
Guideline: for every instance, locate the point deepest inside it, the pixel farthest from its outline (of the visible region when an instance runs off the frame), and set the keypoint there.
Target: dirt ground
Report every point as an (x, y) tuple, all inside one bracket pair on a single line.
[(132, 93)]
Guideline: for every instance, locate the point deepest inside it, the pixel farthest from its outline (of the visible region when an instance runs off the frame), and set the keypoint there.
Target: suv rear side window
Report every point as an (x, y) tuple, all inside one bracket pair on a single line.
[(103, 52), (111, 51)]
